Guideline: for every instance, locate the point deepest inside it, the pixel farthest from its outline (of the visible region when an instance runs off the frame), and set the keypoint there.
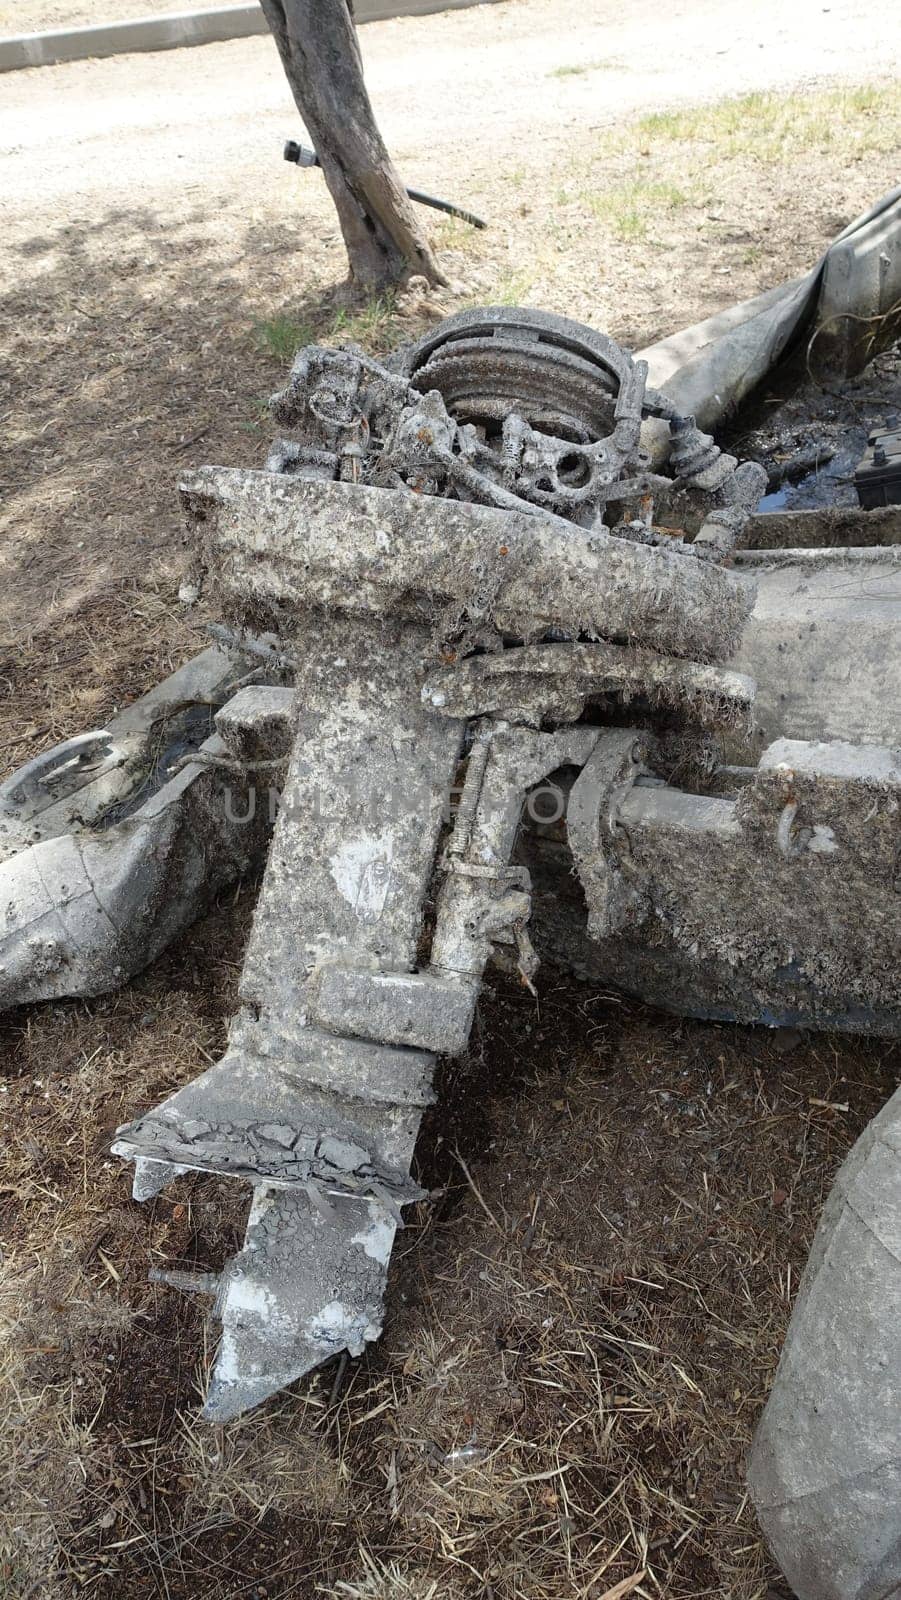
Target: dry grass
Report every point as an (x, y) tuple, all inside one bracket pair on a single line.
[(767, 127), (384, 1581), (73, 1285), (54, 1323), (264, 1464), (629, 211), (706, 187), (578, 69)]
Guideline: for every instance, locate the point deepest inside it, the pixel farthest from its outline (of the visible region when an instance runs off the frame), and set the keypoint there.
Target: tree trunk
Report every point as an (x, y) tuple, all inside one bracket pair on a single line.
[(318, 45)]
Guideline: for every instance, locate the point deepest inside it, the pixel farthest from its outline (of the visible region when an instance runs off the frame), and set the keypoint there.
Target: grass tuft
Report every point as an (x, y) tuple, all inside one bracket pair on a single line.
[(769, 126), (576, 69), (380, 1580), (630, 209), (510, 288), (453, 234), (372, 324), (260, 1464), (282, 337)]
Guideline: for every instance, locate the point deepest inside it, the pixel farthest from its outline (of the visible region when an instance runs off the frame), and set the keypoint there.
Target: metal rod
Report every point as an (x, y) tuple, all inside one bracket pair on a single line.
[(302, 157)]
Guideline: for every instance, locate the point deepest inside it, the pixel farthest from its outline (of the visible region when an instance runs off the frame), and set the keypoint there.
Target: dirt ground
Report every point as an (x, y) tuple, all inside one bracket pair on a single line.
[(595, 1300)]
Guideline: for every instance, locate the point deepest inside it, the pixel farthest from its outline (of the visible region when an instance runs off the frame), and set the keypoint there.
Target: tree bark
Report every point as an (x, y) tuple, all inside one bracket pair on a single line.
[(317, 42)]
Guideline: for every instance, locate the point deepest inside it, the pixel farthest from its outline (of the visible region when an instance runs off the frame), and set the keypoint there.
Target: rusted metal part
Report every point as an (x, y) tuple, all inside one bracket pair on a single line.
[(592, 816), (274, 545), (772, 900), (458, 556), (517, 409), (557, 681)]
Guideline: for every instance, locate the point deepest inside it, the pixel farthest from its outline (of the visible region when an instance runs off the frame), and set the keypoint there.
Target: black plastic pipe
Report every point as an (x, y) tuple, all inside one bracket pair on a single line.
[(302, 157)]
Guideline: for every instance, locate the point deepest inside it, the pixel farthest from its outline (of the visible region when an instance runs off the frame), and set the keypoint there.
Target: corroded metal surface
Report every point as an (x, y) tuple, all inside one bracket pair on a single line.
[(112, 843), (446, 586), (771, 900), (516, 409)]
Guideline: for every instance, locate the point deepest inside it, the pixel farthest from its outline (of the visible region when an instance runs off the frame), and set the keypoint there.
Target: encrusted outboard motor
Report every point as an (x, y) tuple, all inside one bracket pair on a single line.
[(458, 553)]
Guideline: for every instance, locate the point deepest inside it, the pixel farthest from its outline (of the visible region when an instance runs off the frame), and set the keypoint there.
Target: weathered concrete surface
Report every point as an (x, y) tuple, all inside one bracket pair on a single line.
[(167, 32), (825, 1470), (822, 645), (176, 31)]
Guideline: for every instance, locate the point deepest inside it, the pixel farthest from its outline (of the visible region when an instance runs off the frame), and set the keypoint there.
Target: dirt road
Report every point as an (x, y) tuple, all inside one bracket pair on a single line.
[(457, 95)]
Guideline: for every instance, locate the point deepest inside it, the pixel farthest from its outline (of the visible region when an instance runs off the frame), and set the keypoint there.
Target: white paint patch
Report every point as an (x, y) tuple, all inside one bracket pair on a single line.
[(333, 1320), (823, 841), (261, 1202), (335, 1324), (376, 1240), (228, 1369), (361, 869), (243, 1295)]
